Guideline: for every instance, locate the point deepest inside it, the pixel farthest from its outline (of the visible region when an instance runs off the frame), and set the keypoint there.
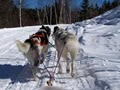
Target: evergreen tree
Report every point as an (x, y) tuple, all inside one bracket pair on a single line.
[(115, 3), (104, 6), (94, 10), (85, 9)]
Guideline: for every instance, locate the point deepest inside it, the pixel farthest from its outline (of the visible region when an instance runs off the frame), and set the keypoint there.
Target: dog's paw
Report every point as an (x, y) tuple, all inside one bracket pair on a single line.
[(59, 72), (68, 70), (73, 75), (36, 79)]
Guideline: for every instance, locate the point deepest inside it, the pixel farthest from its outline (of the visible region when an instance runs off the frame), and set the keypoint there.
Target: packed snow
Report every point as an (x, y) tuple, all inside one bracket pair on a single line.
[(97, 63)]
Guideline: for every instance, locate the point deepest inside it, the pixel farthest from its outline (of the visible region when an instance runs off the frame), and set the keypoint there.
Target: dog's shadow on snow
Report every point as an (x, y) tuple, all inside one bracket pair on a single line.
[(16, 73)]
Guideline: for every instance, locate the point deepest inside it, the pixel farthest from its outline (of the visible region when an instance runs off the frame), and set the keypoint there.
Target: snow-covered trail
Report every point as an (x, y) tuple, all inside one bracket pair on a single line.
[(15, 73), (95, 70), (102, 46), (11, 61)]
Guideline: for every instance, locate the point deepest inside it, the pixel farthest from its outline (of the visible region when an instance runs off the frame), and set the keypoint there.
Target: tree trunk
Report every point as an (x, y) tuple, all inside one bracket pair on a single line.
[(45, 16), (61, 11), (51, 14), (56, 18), (70, 15), (20, 19), (38, 13), (64, 13)]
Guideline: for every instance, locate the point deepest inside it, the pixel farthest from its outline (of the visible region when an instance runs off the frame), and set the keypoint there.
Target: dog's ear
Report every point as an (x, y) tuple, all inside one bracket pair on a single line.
[(43, 27), (48, 30), (56, 28)]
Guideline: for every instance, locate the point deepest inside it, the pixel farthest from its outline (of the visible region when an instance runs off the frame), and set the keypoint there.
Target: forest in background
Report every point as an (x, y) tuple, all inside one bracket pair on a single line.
[(58, 12)]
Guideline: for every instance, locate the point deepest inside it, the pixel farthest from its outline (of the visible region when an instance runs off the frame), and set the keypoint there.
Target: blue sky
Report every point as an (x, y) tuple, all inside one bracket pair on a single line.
[(41, 3), (33, 3)]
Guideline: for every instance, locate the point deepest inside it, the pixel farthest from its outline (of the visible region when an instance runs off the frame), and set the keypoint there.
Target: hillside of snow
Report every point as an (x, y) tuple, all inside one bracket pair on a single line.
[(97, 63)]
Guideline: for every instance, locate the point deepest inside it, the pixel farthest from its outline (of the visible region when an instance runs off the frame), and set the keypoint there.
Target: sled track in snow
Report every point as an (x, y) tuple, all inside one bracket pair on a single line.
[(22, 81), (18, 75)]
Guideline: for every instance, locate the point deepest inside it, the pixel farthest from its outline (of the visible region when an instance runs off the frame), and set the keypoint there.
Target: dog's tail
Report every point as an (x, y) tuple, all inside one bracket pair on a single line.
[(23, 47)]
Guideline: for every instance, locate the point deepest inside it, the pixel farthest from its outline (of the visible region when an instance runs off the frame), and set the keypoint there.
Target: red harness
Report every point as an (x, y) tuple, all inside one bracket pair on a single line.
[(38, 36)]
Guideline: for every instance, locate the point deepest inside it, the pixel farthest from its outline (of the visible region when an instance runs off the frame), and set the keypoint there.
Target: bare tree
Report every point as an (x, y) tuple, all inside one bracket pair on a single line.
[(70, 9), (20, 4), (51, 12), (61, 11), (46, 14), (55, 8), (70, 15), (65, 11), (45, 17), (38, 13)]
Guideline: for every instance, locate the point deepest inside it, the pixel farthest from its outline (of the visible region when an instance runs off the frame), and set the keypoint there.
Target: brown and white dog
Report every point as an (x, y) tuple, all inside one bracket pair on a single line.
[(35, 48), (66, 44)]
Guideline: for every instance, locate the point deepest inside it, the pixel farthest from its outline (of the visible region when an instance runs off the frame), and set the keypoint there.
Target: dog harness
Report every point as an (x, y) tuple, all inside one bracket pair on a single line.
[(42, 36)]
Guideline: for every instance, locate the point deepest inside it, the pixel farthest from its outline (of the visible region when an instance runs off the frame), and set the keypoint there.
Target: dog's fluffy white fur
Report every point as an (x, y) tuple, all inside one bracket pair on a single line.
[(23, 47), (66, 43), (34, 53)]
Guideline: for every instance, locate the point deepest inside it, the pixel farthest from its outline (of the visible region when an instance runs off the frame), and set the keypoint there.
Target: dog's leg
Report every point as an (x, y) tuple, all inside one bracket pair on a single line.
[(73, 56), (59, 64), (67, 66), (34, 73), (67, 63), (59, 68), (72, 69)]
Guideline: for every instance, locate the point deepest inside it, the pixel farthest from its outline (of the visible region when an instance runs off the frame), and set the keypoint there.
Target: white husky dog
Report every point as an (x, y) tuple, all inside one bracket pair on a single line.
[(66, 43), (35, 48)]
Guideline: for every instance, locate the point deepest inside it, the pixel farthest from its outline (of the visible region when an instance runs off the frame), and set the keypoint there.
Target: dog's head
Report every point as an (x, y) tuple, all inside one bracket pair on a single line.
[(56, 28), (35, 41), (47, 29), (41, 36)]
